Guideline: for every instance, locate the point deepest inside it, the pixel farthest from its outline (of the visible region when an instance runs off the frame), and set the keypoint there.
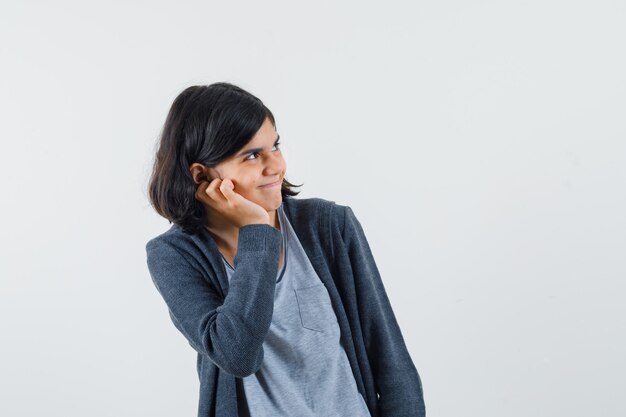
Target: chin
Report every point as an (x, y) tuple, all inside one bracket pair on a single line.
[(271, 203)]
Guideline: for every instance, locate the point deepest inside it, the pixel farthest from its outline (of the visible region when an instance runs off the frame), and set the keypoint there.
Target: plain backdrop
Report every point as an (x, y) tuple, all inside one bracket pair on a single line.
[(481, 144)]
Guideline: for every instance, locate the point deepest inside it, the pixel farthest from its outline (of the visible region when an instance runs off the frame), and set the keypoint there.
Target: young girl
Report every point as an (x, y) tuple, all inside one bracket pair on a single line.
[(279, 296)]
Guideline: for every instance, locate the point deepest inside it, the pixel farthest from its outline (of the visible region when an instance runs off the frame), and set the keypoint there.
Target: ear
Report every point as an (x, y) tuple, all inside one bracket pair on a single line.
[(199, 173)]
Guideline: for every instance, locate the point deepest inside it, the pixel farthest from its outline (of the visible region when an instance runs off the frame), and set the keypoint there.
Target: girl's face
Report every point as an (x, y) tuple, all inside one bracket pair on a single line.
[(258, 163)]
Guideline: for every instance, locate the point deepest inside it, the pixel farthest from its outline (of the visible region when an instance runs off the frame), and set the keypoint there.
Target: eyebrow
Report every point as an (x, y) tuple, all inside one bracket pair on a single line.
[(253, 150)]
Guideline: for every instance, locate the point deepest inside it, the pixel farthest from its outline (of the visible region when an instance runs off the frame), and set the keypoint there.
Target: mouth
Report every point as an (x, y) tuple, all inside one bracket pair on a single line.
[(271, 184)]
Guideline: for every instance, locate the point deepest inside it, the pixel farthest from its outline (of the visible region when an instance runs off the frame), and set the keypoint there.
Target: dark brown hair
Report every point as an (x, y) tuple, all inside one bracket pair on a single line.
[(205, 124)]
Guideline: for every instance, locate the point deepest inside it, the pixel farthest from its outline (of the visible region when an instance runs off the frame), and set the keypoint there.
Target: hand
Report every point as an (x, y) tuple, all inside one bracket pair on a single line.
[(219, 197)]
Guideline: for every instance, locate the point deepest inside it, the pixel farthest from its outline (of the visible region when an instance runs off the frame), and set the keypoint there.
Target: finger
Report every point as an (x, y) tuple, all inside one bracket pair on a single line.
[(227, 187), (201, 191), (213, 191), (206, 194)]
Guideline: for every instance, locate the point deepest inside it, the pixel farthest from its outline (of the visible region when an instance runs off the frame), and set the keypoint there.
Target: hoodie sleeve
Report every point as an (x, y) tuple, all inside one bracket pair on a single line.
[(229, 330), (397, 381)]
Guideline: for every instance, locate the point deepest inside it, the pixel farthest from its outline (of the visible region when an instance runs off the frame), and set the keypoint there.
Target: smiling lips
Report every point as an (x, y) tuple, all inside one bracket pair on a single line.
[(270, 185)]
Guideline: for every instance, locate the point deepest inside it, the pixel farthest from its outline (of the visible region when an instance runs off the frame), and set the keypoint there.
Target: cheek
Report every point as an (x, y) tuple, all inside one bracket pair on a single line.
[(245, 180), (281, 166)]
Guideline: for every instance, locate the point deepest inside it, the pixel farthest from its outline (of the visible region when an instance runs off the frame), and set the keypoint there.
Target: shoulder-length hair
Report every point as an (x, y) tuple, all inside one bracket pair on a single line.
[(205, 124)]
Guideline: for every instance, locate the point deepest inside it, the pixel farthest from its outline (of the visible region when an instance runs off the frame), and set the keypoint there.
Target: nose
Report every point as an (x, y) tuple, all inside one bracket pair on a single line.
[(275, 164)]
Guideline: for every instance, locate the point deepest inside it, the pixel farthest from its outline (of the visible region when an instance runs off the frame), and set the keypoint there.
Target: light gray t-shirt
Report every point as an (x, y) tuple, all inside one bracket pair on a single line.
[(305, 369)]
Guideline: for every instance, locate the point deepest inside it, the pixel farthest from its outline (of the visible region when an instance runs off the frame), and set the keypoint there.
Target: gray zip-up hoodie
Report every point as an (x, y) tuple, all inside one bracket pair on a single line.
[(226, 323)]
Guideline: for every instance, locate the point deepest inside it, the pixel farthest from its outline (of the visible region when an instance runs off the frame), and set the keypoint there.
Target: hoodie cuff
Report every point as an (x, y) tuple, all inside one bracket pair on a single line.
[(258, 237)]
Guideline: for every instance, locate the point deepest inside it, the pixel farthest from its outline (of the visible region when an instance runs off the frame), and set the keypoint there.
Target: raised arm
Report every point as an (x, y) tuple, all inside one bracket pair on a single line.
[(229, 331)]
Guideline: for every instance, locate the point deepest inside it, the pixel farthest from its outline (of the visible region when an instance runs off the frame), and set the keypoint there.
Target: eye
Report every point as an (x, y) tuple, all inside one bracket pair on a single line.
[(247, 158)]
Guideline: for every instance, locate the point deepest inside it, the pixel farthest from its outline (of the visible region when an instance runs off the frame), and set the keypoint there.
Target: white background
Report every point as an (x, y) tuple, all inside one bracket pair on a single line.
[(481, 144)]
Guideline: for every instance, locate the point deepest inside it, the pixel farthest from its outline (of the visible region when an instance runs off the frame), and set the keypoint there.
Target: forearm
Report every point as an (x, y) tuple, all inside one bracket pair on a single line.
[(230, 330)]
